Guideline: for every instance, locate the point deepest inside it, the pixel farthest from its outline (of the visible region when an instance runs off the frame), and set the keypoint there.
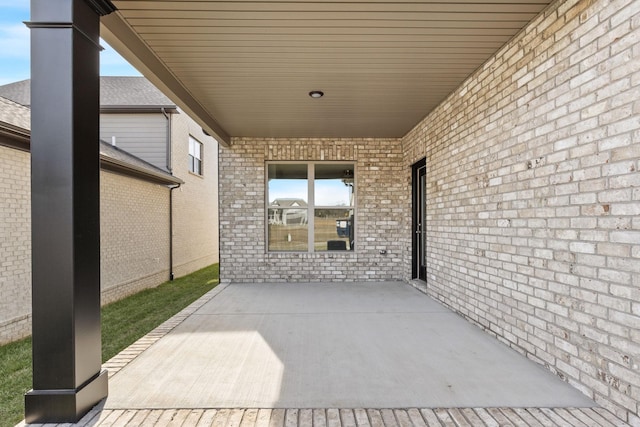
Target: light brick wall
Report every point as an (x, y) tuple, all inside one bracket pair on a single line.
[(15, 244), (381, 203), (534, 197), (134, 239), (134, 235), (134, 228), (195, 203)]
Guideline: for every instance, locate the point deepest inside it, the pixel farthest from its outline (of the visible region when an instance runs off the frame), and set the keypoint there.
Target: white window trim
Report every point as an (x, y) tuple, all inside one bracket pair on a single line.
[(189, 155), (310, 203)]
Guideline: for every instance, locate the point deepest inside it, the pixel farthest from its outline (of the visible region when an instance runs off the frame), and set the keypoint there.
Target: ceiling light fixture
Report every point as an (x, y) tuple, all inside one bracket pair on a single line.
[(316, 94)]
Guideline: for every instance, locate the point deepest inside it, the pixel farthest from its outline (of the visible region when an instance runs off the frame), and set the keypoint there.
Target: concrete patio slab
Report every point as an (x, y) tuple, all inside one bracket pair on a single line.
[(348, 345)]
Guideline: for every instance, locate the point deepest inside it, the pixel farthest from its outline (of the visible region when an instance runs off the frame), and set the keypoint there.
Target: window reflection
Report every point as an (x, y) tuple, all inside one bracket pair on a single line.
[(294, 202), (288, 207), (333, 229), (333, 185), (288, 237)]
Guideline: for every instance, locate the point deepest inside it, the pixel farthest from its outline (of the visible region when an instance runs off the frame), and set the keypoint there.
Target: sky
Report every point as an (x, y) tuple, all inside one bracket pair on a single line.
[(14, 46)]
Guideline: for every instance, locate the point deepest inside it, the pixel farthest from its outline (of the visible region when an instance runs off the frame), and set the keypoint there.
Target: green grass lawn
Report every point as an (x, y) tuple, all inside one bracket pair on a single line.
[(123, 322)]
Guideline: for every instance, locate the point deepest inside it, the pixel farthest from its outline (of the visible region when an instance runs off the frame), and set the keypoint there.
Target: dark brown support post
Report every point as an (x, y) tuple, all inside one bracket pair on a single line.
[(65, 168)]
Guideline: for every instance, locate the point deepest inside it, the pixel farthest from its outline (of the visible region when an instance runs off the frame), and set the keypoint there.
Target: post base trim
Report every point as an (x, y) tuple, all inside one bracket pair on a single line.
[(66, 405)]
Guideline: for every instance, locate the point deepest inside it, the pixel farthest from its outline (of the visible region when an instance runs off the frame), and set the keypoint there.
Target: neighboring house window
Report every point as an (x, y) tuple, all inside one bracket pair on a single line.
[(310, 206), (195, 156)]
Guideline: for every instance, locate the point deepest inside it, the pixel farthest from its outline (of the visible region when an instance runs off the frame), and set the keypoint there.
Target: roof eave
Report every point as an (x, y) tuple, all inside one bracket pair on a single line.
[(20, 139), (14, 137), (117, 166), (112, 109)]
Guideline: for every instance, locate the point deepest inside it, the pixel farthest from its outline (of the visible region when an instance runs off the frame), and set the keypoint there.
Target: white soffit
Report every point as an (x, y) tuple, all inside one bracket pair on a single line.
[(245, 68)]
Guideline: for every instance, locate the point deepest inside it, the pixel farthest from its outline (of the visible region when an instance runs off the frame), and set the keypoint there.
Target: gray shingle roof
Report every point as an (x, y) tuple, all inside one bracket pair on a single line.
[(113, 156), (131, 91), (18, 92), (15, 114), (114, 92)]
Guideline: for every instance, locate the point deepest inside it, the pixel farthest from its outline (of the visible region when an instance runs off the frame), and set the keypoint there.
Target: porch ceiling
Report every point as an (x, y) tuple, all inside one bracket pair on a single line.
[(245, 68)]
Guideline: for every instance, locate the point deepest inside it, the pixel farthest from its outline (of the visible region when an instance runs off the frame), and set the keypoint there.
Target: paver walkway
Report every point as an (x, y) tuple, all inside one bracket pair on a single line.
[(464, 417), (201, 366)]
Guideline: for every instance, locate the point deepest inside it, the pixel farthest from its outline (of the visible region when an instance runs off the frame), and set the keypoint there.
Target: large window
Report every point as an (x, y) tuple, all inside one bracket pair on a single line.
[(310, 206), (195, 156)]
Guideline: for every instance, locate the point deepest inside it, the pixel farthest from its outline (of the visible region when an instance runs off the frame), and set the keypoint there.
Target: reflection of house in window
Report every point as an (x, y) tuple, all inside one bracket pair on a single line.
[(288, 215), (310, 206)]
